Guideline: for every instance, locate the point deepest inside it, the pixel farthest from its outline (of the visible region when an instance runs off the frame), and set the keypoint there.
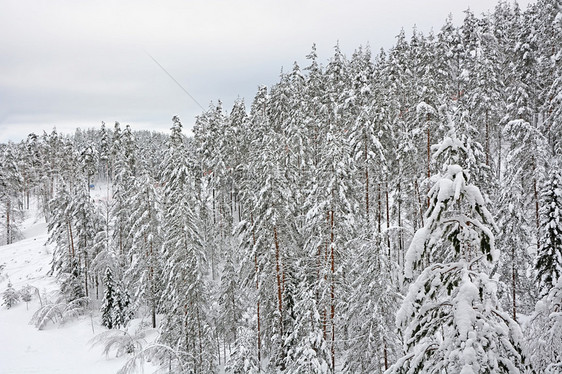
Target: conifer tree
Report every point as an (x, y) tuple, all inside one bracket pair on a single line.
[(10, 296), (186, 323), (115, 310), (144, 274), (108, 306), (548, 263), (11, 182), (451, 319)]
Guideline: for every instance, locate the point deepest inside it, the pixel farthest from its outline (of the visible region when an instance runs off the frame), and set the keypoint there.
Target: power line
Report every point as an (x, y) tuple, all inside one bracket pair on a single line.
[(174, 79)]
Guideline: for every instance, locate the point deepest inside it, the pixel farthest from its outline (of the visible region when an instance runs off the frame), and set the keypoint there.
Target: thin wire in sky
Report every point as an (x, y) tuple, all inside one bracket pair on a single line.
[(174, 79)]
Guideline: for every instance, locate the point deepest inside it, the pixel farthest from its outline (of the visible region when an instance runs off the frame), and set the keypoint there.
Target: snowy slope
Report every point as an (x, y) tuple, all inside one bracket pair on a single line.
[(56, 349)]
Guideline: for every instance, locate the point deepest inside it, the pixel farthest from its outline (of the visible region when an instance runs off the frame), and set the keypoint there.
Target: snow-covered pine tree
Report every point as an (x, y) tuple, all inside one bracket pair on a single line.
[(73, 226), (30, 166), (451, 319), (87, 223), (11, 183)]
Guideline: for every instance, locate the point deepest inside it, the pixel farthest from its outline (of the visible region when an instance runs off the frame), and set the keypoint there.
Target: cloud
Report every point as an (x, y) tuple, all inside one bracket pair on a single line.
[(68, 61)]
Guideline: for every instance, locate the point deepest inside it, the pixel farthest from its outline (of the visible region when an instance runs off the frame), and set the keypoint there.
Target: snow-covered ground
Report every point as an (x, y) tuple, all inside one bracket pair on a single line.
[(63, 349)]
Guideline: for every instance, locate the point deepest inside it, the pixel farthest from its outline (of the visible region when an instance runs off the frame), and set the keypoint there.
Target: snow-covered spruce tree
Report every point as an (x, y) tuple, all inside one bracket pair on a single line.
[(107, 308), (186, 299), (231, 301), (518, 210), (544, 332), (451, 319), (144, 274), (115, 310), (104, 153), (548, 263), (514, 242), (10, 297), (308, 351), (72, 287), (525, 161), (89, 161), (373, 341), (123, 153), (250, 264)]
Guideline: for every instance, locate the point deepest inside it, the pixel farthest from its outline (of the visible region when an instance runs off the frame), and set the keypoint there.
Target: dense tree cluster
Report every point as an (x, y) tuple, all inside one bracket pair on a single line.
[(393, 212)]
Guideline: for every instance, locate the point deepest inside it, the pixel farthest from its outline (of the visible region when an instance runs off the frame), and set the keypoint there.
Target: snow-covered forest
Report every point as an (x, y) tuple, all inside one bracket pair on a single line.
[(397, 212)]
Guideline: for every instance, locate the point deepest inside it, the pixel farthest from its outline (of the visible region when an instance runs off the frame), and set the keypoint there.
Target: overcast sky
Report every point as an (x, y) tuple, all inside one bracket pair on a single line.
[(75, 63)]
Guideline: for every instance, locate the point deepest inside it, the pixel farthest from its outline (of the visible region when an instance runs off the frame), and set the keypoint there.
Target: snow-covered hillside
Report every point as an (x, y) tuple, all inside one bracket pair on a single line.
[(57, 348)]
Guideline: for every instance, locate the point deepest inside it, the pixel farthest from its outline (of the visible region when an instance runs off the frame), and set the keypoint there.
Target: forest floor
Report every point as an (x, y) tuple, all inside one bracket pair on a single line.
[(57, 349)]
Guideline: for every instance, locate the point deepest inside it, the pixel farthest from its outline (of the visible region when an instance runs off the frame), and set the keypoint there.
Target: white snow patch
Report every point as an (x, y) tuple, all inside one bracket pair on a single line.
[(56, 349)]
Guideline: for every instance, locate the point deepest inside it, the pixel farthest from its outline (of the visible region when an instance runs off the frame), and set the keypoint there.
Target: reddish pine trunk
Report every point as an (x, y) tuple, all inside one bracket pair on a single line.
[(279, 287), (385, 356), (487, 141), (86, 275), (366, 182), (428, 157), (387, 220), (72, 253), (428, 150), (513, 283), (537, 219), (399, 225), (417, 187), (258, 290), (8, 231), (379, 210), (332, 292)]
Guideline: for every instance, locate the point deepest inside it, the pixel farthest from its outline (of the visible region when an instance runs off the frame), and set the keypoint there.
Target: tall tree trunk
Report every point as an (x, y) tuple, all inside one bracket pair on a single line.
[(420, 205), (537, 218), (428, 148), (428, 156), (258, 293), (499, 172), (387, 220), (86, 264), (513, 283), (279, 286), (8, 228), (400, 250), (385, 356), (379, 210), (487, 140), (200, 338), (332, 293), (366, 180), (72, 252)]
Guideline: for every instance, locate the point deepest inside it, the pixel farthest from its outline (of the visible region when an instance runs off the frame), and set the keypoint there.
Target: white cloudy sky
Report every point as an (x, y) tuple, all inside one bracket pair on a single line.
[(75, 63)]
